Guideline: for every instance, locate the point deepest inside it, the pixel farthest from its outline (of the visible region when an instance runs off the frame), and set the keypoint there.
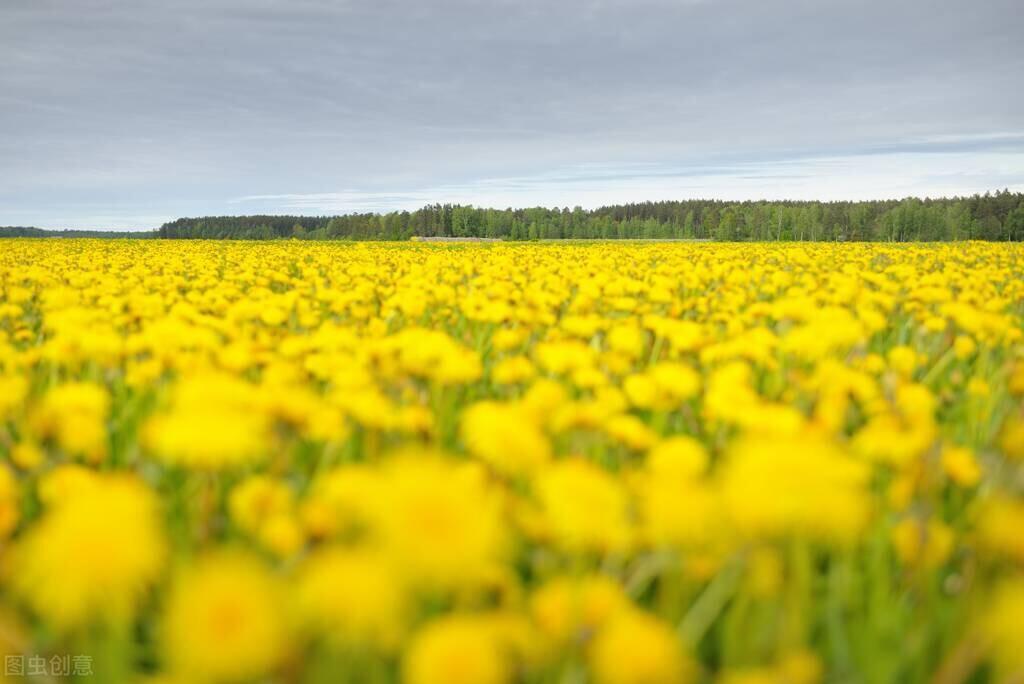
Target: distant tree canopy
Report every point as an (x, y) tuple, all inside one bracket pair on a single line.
[(998, 216), (27, 231)]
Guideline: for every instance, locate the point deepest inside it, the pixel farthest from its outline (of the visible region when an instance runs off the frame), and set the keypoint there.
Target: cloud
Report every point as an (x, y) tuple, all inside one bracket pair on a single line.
[(154, 109), (889, 175)]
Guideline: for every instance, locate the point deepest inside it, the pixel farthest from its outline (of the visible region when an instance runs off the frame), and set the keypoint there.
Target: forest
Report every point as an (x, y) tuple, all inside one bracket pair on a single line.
[(28, 231), (995, 216), (992, 216)]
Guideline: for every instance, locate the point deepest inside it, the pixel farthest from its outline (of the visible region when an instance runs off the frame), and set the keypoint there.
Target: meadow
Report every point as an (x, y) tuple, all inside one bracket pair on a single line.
[(607, 462)]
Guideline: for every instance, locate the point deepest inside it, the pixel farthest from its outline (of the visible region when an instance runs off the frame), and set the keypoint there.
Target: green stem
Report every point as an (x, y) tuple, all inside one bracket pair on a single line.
[(709, 605)]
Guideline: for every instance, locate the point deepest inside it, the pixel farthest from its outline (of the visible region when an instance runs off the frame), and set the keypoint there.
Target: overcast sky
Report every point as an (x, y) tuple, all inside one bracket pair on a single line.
[(127, 113)]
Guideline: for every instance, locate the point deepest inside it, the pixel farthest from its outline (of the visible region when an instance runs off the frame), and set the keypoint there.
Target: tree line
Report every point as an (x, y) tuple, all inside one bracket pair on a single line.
[(992, 216), (30, 231)]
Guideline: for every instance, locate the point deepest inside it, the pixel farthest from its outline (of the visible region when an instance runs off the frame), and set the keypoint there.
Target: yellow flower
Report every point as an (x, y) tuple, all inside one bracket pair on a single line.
[(273, 316), (678, 380), (662, 387), (439, 522), (74, 416), (341, 500), (903, 360), (213, 424), (353, 597), (935, 324), (682, 512), (65, 481), (559, 358), (13, 390), (928, 543), (829, 330), (801, 486), (678, 457), (677, 507), (92, 555), (542, 398), (964, 346), (1016, 381), (916, 403), (631, 432), (800, 667), (899, 436), (258, 499), (505, 437), (1000, 628), (513, 370), (10, 502), (682, 335), (729, 396), (456, 650), (643, 392), (571, 609), (27, 455), (636, 648), (978, 387), (509, 338), (999, 522), (874, 364), (434, 355), (225, 620), (627, 339), (584, 507), (207, 440), (282, 534), (313, 385), (1011, 438), (960, 464)]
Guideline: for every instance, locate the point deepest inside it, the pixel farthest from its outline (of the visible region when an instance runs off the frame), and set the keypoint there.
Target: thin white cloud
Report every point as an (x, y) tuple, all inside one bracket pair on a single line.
[(854, 177), (124, 112)]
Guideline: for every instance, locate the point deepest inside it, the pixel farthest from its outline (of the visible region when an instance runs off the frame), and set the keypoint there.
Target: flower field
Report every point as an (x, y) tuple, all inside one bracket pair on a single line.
[(608, 462)]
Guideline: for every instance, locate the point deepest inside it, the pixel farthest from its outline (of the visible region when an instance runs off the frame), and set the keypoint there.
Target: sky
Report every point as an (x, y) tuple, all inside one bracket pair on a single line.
[(123, 114)]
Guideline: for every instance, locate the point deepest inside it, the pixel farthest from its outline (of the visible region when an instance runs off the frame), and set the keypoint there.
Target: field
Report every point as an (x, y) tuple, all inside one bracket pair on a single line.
[(618, 463)]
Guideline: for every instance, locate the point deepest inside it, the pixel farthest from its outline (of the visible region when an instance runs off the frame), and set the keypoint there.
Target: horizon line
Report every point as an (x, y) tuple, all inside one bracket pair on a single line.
[(761, 200)]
